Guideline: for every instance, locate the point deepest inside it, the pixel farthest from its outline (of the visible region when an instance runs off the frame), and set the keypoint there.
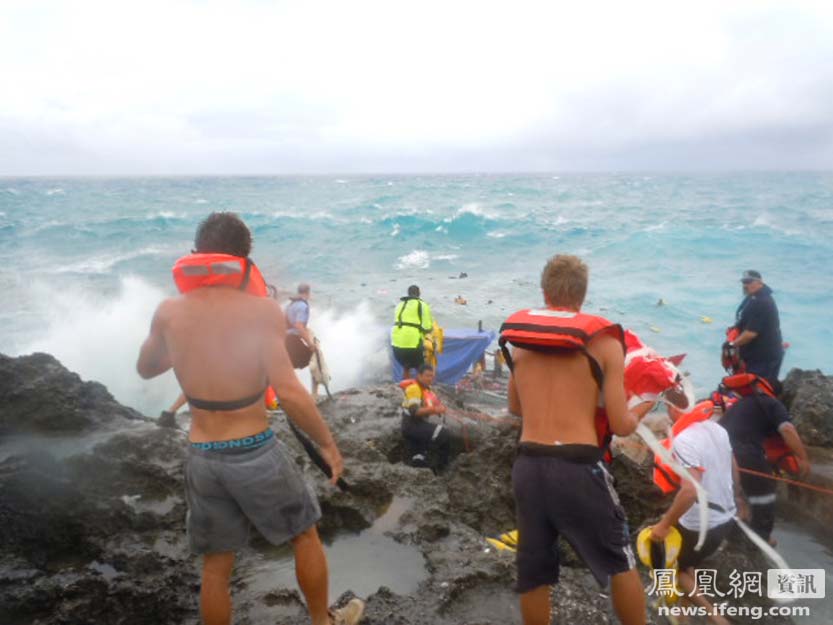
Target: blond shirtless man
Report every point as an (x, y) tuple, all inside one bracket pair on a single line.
[(560, 482), (226, 347)]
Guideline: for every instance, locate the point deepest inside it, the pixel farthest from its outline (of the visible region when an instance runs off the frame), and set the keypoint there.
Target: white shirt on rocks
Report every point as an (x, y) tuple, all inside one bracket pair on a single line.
[(705, 446)]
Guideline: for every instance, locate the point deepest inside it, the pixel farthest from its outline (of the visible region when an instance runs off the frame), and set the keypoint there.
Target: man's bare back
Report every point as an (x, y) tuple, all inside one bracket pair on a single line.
[(223, 345), (560, 395)]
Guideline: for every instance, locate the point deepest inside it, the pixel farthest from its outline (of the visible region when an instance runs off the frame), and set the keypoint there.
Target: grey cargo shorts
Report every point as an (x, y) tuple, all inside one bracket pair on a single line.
[(227, 493)]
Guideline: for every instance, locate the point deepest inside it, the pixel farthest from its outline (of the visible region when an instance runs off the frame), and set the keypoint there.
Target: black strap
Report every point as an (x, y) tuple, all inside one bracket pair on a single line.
[(219, 406), (595, 367), (247, 272), (410, 324)]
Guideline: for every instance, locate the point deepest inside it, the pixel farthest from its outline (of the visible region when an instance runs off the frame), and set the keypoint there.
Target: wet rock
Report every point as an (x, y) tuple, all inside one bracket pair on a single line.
[(37, 394), (808, 395), (95, 534)]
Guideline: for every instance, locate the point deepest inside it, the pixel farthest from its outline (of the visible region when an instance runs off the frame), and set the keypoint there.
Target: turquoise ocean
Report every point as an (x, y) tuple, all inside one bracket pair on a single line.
[(85, 261)]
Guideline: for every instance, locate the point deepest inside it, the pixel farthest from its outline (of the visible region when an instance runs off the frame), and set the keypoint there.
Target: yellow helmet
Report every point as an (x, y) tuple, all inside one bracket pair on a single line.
[(659, 555)]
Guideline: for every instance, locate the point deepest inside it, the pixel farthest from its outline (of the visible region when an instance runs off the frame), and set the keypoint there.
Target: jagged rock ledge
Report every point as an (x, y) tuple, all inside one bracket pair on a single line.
[(95, 533)]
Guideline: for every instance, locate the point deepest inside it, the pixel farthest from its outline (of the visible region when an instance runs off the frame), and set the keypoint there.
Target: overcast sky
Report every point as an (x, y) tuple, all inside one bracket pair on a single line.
[(265, 87)]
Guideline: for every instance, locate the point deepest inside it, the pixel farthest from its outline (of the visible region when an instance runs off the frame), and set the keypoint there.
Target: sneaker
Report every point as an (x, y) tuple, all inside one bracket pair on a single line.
[(349, 614), (166, 420)]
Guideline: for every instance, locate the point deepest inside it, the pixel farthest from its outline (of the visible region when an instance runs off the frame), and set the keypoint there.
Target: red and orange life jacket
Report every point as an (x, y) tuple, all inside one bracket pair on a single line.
[(555, 330), (201, 270), (664, 476), (198, 270), (732, 388), (428, 396)]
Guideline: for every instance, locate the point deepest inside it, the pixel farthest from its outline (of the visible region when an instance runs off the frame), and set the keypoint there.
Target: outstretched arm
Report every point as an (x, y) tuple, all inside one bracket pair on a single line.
[(623, 422), (793, 441), (684, 499), (297, 403), (154, 358)]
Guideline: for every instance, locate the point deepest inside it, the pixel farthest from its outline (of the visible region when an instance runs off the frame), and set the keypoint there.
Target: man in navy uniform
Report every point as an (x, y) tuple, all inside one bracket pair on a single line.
[(756, 319)]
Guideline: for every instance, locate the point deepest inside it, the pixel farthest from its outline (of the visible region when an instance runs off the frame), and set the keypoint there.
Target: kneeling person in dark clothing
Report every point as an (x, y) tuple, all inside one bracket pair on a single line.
[(749, 422), (428, 444)]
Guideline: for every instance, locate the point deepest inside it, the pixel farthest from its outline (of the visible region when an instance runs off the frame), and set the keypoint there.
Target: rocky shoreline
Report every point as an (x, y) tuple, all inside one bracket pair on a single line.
[(92, 512)]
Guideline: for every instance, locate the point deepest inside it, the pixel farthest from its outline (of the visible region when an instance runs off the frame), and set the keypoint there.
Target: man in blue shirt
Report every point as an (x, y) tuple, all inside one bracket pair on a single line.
[(299, 341), (761, 347)]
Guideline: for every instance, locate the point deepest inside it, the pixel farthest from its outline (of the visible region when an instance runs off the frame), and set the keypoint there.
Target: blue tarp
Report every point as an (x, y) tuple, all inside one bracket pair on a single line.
[(461, 349)]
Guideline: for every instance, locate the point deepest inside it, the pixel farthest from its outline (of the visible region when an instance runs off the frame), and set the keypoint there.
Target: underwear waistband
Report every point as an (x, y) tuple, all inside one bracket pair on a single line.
[(581, 454), (237, 444)]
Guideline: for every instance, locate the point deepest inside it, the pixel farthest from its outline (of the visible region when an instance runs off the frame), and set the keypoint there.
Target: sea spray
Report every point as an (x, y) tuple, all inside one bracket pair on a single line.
[(99, 337)]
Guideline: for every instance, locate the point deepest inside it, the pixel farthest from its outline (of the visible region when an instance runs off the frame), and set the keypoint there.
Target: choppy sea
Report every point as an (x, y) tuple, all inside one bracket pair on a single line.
[(84, 261)]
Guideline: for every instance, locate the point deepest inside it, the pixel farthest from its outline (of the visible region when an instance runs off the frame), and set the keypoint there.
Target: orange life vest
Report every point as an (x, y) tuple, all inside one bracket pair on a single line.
[(198, 270), (554, 330), (428, 396), (665, 477), (732, 388)]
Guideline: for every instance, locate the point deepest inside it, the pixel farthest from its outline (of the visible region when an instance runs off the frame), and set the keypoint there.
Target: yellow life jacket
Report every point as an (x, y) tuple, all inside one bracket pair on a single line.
[(412, 321)]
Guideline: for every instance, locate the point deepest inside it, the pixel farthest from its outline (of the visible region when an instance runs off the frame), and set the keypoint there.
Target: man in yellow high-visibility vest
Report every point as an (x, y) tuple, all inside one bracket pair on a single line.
[(411, 322)]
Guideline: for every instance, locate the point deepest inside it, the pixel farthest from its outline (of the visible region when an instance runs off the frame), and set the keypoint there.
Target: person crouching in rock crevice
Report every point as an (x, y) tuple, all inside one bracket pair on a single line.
[(427, 444), (226, 346)]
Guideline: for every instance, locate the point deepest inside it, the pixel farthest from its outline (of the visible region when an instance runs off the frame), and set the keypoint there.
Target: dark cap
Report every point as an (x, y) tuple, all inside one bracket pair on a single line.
[(413, 291), (750, 275)]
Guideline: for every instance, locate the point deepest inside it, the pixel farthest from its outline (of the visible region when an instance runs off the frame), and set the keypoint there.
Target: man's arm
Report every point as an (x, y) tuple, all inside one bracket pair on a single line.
[(427, 318), (303, 331), (296, 402), (752, 320), (746, 337), (793, 441), (512, 391), (737, 490), (154, 358), (622, 421), (685, 498)]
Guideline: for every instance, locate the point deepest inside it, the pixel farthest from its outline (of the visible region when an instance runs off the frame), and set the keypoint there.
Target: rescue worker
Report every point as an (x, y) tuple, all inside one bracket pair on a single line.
[(703, 448), (427, 444), (412, 321), (753, 419), (299, 340), (758, 329)]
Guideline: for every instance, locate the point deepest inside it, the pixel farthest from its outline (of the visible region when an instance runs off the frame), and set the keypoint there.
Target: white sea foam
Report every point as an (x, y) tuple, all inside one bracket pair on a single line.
[(445, 257), (56, 191), (341, 181), (104, 263), (495, 234), (396, 230), (165, 215), (473, 208), (762, 221), (417, 259), (99, 338), (12, 190), (656, 227), (354, 343), (200, 201)]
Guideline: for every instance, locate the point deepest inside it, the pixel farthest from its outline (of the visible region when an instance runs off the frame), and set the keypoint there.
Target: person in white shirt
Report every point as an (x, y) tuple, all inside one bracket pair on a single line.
[(703, 448)]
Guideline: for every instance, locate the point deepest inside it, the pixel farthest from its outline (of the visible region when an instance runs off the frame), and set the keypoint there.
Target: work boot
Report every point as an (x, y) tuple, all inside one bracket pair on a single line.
[(166, 420), (349, 614)]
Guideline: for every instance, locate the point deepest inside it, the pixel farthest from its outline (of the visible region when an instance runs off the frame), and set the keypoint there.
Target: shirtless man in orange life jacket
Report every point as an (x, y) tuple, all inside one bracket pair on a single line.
[(563, 363), (225, 344)]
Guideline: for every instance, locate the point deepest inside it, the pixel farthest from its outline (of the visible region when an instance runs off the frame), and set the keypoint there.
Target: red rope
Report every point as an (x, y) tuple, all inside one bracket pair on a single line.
[(819, 489)]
